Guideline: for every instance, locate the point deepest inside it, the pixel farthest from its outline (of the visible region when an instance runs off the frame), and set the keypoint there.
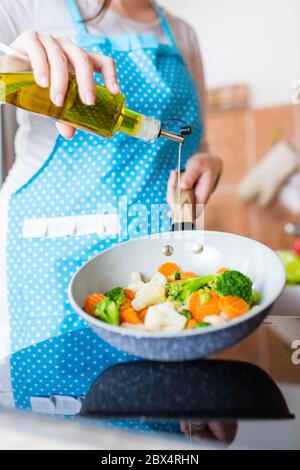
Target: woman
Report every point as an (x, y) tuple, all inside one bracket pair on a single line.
[(153, 57)]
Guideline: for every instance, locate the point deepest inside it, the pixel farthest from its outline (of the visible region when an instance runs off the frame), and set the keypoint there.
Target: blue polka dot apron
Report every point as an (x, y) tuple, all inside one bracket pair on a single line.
[(56, 354)]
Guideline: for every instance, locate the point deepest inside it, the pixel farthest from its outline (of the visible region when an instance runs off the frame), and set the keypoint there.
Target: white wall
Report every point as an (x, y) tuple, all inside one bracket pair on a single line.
[(253, 41)]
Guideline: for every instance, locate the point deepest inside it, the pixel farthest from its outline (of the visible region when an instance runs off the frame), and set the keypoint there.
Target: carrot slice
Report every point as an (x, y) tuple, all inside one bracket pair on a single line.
[(126, 304), (194, 303), (129, 294), (91, 303), (222, 270), (233, 306), (129, 315), (214, 294), (143, 314), (184, 277), (187, 275), (191, 324), (167, 269), (200, 311)]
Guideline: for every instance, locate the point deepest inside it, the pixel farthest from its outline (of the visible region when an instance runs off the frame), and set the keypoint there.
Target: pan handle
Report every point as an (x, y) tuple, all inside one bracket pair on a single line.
[(184, 210)]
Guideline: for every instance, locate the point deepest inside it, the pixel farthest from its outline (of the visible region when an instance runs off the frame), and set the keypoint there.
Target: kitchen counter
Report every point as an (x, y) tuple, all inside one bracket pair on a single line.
[(253, 402)]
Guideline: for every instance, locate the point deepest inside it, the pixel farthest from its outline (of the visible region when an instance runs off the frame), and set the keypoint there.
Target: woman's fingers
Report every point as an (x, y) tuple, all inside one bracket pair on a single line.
[(50, 59), (209, 178), (202, 172), (107, 67), (84, 70), (191, 174), (59, 71), (66, 131), (212, 431), (224, 432), (84, 65), (29, 43), (203, 187)]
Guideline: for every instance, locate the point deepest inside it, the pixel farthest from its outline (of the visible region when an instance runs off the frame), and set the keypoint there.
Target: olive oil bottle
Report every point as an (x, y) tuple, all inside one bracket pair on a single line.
[(105, 118)]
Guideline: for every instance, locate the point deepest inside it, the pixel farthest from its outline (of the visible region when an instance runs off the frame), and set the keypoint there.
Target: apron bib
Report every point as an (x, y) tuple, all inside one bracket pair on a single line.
[(68, 213)]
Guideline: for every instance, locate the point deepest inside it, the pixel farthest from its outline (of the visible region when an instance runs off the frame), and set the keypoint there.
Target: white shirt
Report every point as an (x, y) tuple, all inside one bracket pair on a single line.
[(36, 135)]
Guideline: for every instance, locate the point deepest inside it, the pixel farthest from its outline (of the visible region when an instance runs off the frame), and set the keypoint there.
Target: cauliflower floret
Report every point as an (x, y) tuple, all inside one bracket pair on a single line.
[(159, 279), (214, 320), (148, 294), (163, 317), (136, 282)]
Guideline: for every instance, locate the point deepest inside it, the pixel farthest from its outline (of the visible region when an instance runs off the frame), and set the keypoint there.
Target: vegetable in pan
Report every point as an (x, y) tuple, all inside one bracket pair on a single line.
[(175, 300), (108, 310), (182, 291), (235, 284)]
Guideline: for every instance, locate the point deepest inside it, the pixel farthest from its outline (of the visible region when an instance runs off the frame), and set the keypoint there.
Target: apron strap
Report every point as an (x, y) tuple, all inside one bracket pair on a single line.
[(76, 17), (81, 29), (166, 26)]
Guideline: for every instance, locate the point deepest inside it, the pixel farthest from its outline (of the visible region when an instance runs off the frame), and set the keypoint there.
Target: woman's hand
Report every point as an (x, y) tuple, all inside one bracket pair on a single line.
[(51, 59), (203, 172), (211, 431)]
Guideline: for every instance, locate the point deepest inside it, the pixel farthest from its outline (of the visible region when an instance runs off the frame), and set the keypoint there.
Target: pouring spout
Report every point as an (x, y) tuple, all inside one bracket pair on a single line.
[(172, 136)]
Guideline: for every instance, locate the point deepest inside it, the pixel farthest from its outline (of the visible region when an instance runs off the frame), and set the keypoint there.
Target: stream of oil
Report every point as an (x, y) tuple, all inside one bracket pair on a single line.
[(179, 172), (178, 189)]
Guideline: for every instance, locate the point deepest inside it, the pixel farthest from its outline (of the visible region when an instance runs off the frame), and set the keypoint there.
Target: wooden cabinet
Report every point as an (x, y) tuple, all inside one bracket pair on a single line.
[(242, 138)]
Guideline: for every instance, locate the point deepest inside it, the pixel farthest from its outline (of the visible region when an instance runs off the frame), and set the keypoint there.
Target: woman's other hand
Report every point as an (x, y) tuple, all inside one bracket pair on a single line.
[(51, 58), (203, 172), (211, 431)]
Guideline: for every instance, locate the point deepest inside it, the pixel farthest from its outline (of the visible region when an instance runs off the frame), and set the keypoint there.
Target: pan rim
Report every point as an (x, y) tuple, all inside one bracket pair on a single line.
[(140, 334)]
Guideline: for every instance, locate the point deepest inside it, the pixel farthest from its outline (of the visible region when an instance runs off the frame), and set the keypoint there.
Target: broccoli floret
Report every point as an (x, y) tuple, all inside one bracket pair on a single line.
[(174, 277), (117, 295), (202, 324), (108, 310), (187, 314), (255, 298), (235, 284), (183, 290)]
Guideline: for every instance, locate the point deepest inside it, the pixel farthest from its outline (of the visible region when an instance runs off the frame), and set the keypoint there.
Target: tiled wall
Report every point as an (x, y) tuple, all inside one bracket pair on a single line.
[(242, 138)]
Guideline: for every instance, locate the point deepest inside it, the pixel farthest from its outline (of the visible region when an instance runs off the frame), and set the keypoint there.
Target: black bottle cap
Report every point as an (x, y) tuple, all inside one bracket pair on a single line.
[(186, 130)]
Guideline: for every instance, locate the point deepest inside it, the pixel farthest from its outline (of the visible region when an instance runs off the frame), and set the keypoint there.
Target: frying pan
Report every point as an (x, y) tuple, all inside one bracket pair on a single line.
[(226, 390), (202, 252)]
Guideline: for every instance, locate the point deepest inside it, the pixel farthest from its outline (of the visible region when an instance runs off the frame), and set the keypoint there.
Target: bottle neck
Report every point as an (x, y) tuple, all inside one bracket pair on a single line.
[(137, 125), (145, 128)]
